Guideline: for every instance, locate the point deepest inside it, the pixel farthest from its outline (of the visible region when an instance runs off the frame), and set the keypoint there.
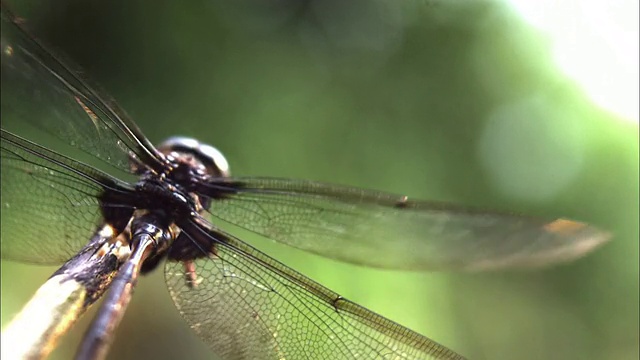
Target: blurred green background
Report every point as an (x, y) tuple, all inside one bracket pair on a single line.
[(453, 101)]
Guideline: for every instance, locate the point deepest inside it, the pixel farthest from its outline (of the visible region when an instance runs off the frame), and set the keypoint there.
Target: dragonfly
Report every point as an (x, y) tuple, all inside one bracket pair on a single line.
[(167, 203)]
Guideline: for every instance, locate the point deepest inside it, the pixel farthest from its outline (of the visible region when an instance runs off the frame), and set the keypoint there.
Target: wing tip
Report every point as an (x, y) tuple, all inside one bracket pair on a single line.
[(589, 237), (569, 241)]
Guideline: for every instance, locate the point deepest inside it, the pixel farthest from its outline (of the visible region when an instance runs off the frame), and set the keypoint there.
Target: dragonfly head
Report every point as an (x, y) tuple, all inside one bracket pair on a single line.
[(214, 163)]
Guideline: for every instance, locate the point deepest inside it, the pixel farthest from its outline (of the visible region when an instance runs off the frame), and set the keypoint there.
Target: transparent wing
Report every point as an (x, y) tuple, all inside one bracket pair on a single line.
[(391, 231), (41, 94), (50, 203), (247, 305)]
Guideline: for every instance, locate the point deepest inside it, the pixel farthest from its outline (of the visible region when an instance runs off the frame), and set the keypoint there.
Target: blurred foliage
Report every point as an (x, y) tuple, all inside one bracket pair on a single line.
[(456, 101)]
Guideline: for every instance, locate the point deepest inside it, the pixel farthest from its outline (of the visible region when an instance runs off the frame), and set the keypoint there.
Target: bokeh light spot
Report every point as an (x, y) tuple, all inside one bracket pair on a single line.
[(532, 150)]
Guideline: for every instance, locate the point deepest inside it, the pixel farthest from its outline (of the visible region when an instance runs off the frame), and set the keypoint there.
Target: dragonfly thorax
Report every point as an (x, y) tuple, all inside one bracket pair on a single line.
[(163, 195)]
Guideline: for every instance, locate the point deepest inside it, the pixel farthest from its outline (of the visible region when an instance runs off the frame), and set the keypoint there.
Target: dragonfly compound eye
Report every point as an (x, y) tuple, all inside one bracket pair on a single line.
[(213, 160)]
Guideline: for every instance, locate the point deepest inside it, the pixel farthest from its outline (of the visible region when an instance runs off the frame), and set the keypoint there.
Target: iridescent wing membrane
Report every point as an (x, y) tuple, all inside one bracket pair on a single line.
[(246, 305), (392, 231), (49, 201)]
